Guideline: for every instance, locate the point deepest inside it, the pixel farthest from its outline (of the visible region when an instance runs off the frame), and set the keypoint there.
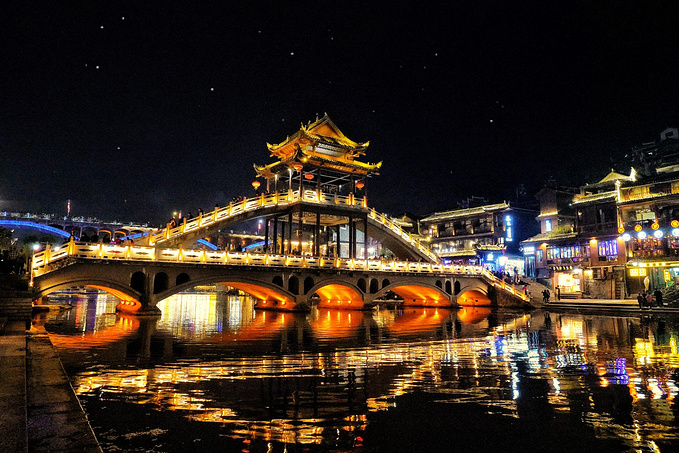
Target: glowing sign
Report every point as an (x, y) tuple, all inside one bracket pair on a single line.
[(529, 250), (634, 272), (508, 224)]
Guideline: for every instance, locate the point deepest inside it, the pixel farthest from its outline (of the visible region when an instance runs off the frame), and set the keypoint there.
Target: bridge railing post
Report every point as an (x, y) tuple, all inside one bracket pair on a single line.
[(46, 254)]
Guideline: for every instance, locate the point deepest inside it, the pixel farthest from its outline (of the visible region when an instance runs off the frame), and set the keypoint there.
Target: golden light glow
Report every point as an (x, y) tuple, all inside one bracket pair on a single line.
[(339, 296), (124, 327), (473, 298), (331, 323), (415, 295), (267, 297), (416, 320), (473, 315)]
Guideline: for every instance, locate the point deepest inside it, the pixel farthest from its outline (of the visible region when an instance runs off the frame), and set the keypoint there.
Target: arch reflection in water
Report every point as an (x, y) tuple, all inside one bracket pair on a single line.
[(473, 315), (335, 378)]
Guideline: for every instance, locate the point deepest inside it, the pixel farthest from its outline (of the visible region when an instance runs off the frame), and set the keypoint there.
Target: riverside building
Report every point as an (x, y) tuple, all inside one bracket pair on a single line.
[(617, 237), (486, 234)]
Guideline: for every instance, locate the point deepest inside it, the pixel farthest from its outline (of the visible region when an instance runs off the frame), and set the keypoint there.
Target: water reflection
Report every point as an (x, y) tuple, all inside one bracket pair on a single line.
[(214, 370)]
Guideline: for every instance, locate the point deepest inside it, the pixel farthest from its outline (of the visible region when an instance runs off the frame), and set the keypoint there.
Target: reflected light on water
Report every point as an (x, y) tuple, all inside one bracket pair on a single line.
[(322, 378)]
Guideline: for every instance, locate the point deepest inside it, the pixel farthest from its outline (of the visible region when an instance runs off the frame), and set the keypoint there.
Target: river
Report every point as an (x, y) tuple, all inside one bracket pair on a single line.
[(213, 374)]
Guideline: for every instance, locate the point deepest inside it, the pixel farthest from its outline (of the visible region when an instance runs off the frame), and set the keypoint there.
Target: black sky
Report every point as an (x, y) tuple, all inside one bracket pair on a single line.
[(134, 110)]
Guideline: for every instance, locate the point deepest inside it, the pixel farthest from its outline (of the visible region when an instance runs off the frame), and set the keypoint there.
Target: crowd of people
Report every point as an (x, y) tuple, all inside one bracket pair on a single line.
[(646, 299)]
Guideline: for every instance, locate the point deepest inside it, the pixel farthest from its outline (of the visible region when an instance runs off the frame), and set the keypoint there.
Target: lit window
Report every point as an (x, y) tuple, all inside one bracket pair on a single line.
[(548, 225)]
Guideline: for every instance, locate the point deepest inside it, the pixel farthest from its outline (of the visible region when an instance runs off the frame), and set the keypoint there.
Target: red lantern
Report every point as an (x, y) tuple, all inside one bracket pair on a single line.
[(308, 176), (359, 185), (256, 184), (297, 166)]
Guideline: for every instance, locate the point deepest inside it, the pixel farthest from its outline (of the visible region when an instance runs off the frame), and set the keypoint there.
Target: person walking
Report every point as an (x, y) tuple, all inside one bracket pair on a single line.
[(640, 301), (557, 292)]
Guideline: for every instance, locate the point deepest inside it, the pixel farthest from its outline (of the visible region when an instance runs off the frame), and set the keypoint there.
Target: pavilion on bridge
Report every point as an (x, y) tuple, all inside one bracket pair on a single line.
[(319, 159)]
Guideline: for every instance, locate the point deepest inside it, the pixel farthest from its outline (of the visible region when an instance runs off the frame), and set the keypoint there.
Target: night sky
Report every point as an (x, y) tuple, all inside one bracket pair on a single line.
[(135, 110)]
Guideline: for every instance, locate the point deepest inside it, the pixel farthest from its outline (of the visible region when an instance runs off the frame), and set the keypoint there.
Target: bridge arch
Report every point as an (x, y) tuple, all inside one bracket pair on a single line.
[(374, 285), (138, 281), (161, 282), (268, 295), (125, 293), (417, 294), (182, 279), (293, 285), (308, 284), (475, 294), (338, 294)]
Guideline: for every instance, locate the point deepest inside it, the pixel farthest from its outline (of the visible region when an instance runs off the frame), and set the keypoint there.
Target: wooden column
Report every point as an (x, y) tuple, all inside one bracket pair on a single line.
[(266, 234), (352, 233), (300, 225), (365, 237), (317, 235), (289, 248)]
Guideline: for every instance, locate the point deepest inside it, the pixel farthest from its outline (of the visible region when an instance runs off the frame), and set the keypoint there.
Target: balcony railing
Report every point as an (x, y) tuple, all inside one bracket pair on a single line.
[(282, 199)]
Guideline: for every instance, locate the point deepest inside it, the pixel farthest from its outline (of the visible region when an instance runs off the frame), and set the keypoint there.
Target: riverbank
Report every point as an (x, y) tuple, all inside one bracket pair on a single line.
[(39, 411), (613, 306)]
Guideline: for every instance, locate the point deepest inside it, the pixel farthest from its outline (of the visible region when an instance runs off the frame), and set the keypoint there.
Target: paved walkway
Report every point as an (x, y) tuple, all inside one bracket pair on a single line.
[(39, 411), (13, 437), (56, 421), (619, 305)]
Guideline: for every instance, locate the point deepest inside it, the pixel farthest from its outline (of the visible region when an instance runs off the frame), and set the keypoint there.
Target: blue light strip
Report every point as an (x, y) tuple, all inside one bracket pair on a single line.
[(36, 226), (256, 244), (133, 236), (208, 244)]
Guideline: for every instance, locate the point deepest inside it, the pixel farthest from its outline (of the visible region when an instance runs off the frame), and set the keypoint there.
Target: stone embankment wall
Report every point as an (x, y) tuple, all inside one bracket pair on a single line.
[(507, 300), (15, 305)]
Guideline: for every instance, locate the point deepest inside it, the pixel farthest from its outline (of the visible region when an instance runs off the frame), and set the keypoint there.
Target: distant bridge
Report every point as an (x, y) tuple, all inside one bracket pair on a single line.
[(70, 226), (141, 276)]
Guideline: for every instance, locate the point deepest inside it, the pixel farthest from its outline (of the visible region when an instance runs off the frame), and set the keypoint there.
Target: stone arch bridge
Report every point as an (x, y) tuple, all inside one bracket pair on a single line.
[(142, 276)]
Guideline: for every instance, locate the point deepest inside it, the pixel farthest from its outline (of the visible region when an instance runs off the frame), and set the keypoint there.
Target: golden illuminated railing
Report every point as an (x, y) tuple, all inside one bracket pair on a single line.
[(283, 199), (50, 259)]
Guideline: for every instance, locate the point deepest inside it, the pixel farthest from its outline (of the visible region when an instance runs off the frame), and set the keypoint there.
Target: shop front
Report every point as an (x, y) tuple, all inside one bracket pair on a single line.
[(569, 281), (649, 276)]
